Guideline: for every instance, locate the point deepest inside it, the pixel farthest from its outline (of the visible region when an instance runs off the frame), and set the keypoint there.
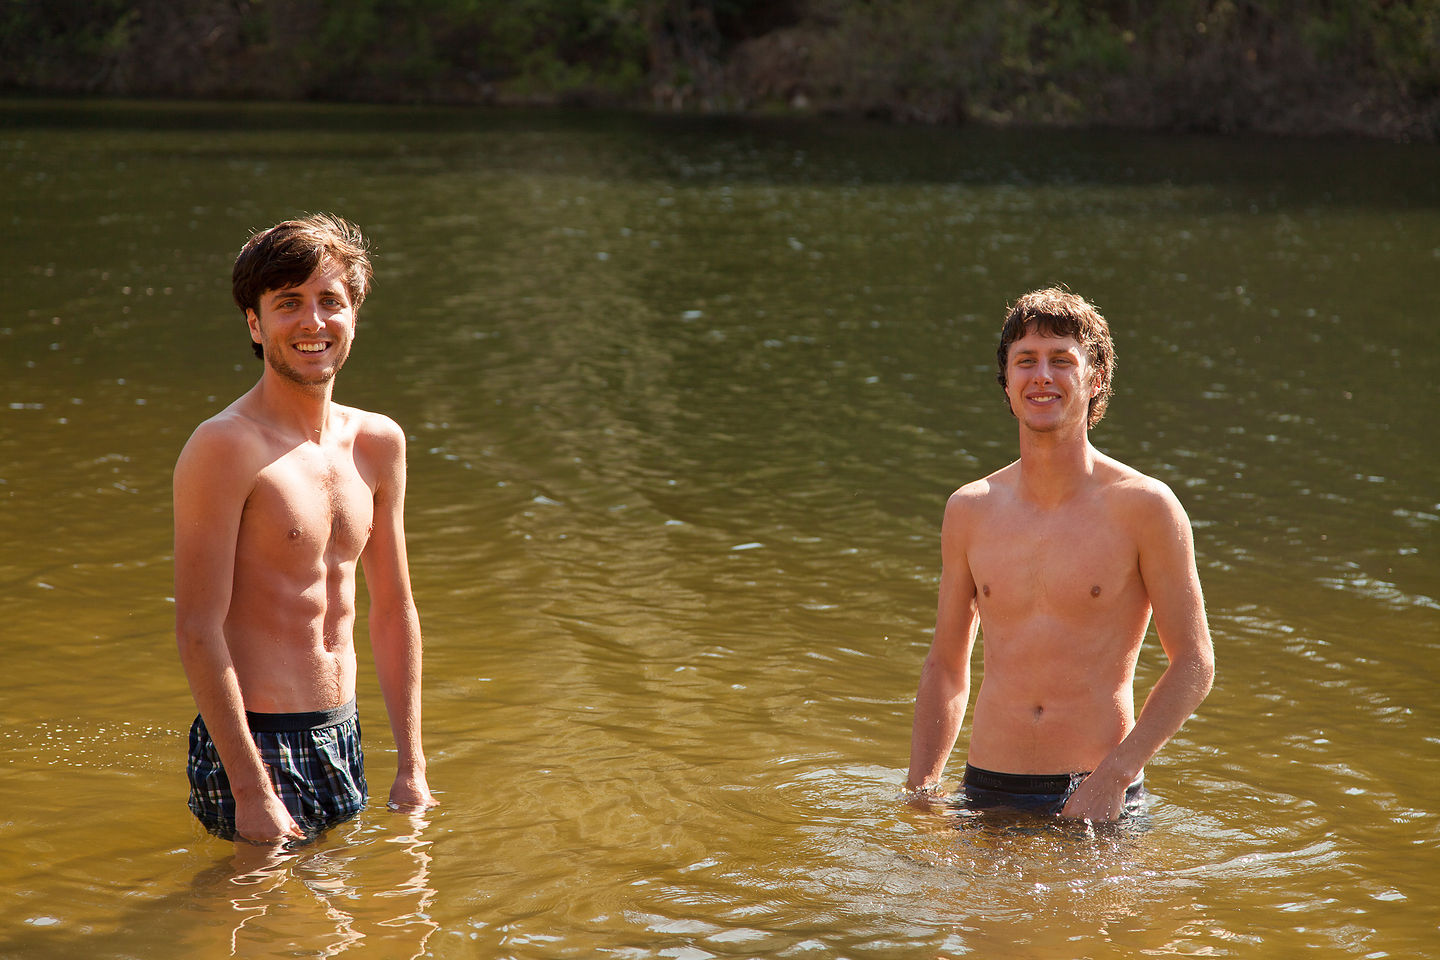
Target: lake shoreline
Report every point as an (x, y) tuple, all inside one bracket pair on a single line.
[(1398, 132)]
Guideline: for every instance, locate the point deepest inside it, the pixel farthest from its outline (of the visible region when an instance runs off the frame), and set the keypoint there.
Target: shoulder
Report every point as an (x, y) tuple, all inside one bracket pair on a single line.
[(375, 430), (229, 439), (219, 467), (1141, 498), (379, 447), (968, 505), (985, 492)]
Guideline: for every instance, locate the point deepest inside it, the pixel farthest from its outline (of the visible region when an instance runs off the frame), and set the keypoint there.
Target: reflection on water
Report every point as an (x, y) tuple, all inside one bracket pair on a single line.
[(357, 888), (685, 399)]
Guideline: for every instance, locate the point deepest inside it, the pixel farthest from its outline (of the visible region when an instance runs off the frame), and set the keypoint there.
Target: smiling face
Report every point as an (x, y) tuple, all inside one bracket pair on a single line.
[(1055, 314), (289, 254), (1049, 382), (306, 329)]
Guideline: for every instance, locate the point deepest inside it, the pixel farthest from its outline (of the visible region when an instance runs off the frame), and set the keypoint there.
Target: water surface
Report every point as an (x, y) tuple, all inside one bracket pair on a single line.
[(685, 399)]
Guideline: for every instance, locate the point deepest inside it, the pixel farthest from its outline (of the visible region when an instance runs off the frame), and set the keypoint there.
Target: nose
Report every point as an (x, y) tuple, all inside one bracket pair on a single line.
[(312, 318)]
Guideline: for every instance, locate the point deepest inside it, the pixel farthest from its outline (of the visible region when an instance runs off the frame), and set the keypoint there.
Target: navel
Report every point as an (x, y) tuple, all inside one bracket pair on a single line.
[(1095, 591)]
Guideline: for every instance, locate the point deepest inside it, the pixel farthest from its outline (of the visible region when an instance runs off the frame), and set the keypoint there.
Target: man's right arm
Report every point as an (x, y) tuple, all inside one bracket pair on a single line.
[(210, 494), (944, 689)]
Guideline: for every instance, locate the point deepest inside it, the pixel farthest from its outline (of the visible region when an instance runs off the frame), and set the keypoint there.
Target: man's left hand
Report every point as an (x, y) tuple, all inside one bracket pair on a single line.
[(1098, 798), (410, 793)]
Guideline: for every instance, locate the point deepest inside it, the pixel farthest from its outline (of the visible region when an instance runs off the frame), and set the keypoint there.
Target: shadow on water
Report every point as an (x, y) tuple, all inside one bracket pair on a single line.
[(699, 150)]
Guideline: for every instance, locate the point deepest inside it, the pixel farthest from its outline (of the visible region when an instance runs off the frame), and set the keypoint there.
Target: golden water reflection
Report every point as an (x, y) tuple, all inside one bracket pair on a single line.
[(363, 889), (685, 399)]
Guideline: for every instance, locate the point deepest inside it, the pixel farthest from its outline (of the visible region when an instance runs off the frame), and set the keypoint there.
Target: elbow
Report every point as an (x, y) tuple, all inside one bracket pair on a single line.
[(189, 650), (193, 636), (1203, 672), (186, 638), (401, 618), (947, 678)]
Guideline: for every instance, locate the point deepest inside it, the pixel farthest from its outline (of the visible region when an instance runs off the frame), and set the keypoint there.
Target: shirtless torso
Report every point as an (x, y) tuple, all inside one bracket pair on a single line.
[(277, 499), (306, 519), (1055, 589), (1062, 555)]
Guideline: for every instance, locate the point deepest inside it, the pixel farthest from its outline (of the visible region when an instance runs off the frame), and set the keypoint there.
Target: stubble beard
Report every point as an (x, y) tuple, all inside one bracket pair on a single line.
[(276, 362)]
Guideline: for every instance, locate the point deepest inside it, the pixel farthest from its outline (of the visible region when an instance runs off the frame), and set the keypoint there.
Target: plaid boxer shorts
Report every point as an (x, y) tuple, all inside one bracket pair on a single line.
[(315, 763)]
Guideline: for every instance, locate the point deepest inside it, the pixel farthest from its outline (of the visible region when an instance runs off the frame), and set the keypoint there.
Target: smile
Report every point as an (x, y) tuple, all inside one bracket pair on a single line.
[(312, 347)]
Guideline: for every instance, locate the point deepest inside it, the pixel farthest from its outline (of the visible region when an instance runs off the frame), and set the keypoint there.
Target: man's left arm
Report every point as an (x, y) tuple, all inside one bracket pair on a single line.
[(1167, 567), (394, 621)]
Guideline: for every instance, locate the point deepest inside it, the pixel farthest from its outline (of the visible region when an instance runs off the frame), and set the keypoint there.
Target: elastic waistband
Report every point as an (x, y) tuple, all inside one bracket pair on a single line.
[(298, 722), (1036, 784), (1025, 783)]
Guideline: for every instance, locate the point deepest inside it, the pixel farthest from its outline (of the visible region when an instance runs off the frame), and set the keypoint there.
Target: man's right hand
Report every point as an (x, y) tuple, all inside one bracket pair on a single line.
[(265, 821), (925, 797)]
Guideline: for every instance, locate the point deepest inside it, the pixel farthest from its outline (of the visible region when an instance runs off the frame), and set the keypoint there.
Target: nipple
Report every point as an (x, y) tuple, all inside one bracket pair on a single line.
[(294, 533), (985, 589), (1095, 590)]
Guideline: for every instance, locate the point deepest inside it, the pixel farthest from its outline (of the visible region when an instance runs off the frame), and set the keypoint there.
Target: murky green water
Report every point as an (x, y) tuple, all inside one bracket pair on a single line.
[(686, 399)]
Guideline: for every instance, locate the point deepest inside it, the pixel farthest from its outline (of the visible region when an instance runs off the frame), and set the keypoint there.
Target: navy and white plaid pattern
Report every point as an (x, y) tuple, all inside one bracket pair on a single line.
[(318, 773)]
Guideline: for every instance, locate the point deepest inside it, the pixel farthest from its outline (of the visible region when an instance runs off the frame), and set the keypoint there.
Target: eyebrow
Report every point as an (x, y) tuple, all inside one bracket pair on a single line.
[(1028, 351), (294, 291)]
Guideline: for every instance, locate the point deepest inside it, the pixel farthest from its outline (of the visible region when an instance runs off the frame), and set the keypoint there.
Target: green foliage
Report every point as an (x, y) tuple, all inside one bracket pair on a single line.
[(45, 39), (1215, 64), (530, 46), (942, 59), (1405, 44)]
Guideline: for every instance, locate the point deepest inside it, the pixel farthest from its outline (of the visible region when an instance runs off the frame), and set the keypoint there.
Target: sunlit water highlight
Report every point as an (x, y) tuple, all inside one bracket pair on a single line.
[(685, 399)]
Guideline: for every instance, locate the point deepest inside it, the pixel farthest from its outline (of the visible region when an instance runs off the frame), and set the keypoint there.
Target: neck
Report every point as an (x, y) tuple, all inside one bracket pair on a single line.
[(303, 409), (1053, 466)]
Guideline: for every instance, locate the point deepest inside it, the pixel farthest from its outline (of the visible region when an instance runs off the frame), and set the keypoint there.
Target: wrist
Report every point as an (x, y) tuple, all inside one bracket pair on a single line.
[(251, 791), (1116, 773)]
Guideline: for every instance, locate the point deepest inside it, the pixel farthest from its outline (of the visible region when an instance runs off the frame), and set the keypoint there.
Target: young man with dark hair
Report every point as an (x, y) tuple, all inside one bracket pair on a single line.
[(1063, 556), (277, 498)]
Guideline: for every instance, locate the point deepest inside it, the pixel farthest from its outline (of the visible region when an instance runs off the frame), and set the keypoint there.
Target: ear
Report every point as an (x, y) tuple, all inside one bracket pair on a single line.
[(252, 320), (1097, 380)]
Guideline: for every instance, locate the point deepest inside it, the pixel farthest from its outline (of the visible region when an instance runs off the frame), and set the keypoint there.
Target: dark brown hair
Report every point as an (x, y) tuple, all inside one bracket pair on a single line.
[(1056, 312), (289, 253)]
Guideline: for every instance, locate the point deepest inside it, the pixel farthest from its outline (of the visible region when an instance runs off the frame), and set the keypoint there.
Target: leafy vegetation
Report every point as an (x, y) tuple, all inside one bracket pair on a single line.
[(1292, 66)]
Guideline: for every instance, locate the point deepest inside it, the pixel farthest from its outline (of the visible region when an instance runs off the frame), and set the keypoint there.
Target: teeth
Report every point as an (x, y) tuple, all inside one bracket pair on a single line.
[(309, 347)]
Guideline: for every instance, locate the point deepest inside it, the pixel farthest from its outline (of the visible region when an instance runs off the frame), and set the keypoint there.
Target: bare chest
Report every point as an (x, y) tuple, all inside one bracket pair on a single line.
[(310, 503), (1068, 564)]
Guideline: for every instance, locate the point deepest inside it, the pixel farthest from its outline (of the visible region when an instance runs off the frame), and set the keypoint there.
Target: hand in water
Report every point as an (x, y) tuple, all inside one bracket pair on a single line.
[(410, 793), (924, 798), (1097, 800), (266, 823)]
